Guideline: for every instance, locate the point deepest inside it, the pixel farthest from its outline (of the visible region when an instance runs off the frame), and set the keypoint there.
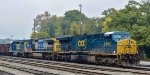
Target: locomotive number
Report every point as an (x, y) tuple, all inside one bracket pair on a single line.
[(81, 43)]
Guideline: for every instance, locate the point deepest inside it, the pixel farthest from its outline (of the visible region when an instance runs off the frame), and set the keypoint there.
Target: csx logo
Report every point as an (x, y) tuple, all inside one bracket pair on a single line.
[(81, 43)]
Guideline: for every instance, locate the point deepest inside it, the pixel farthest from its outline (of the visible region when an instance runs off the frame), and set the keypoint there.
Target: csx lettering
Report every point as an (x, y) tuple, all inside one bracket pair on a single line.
[(81, 43)]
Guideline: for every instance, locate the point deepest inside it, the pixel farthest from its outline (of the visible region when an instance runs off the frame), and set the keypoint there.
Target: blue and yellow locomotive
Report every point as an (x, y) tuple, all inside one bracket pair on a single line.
[(111, 48)]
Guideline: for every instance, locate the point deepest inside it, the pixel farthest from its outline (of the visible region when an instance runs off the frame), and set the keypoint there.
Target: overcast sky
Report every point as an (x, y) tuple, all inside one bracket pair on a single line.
[(16, 16)]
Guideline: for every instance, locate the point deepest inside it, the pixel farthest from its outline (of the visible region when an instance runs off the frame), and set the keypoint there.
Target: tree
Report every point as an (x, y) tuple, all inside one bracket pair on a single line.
[(57, 25), (134, 18), (65, 27), (91, 26), (75, 29), (34, 35), (45, 23), (74, 15), (39, 35), (41, 20)]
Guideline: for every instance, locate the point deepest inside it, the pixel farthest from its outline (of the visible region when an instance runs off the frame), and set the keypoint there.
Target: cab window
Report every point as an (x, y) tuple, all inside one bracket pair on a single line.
[(117, 37), (108, 37)]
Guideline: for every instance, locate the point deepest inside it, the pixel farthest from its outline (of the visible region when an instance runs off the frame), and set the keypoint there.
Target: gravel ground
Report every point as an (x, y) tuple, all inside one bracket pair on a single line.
[(4, 73), (13, 71), (17, 72), (60, 72), (145, 63)]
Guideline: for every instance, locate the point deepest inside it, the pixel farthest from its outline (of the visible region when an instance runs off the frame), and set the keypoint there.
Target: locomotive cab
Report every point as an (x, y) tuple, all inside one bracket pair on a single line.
[(126, 48)]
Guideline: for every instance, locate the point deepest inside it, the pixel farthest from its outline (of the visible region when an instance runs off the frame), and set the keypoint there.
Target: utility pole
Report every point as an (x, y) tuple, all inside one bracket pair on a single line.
[(148, 1), (80, 18), (97, 27), (149, 5), (34, 26), (11, 38)]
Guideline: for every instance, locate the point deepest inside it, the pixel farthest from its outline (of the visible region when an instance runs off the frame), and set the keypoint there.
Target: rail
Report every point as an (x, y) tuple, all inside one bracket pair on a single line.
[(76, 68)]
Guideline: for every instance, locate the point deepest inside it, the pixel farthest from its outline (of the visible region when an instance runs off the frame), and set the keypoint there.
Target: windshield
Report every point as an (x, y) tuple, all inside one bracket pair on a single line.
[(120, 36)]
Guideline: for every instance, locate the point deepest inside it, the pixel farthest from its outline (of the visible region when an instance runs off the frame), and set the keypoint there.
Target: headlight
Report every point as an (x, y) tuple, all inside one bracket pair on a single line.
[(120, 44)]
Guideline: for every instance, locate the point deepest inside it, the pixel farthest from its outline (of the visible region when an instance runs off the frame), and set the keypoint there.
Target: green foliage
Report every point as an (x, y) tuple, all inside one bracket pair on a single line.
[(142, 35), (134, 18), (74, 15), (75, 29), (70, 24), (34, 35), (39, 35), (91, 26)]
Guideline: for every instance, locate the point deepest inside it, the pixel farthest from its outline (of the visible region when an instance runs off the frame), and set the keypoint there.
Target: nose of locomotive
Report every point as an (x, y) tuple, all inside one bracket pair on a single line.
[(126, 46)]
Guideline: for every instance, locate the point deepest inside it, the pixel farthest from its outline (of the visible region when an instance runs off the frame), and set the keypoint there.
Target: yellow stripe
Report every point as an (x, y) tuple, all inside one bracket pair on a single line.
[(56, 46), (25, 48)]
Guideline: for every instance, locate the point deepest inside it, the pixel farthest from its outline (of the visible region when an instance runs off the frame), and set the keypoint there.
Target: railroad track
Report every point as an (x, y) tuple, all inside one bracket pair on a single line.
[(5, 73), (62, 68), (30, 71), (138, 68), (75, 68)]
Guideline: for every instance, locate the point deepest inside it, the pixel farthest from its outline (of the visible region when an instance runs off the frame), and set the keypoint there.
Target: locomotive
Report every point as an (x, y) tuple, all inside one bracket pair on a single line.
[(110, 48)]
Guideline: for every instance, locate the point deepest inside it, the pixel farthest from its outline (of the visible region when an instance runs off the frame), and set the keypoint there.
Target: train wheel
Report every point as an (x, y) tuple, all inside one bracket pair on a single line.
[(43, 56), (26, 55), (30, 55), (54, 56), (68, 58)]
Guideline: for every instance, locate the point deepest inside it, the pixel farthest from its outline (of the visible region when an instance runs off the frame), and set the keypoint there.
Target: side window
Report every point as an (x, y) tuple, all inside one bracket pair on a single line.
[(108, 37)]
